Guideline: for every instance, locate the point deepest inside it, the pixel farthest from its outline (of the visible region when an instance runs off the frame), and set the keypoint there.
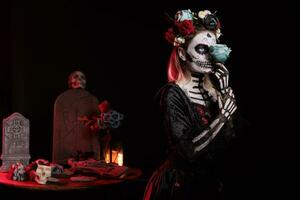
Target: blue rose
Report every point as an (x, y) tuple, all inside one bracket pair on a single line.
[(219, 52), (183, 15)]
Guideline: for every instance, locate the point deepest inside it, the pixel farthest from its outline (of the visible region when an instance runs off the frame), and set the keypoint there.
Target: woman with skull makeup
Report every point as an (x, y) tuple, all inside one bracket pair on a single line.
[(197, 106)]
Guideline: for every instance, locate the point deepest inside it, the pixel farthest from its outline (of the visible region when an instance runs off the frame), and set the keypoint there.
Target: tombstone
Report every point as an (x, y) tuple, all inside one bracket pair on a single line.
[(15, 141), (69, 134)]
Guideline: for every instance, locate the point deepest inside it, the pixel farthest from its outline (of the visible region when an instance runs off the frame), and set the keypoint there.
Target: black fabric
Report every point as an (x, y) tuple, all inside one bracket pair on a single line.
[(185, 174)]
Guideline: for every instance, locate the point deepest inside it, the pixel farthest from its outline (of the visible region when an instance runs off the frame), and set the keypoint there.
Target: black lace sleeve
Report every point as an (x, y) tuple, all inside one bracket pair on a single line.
[(178, 122)]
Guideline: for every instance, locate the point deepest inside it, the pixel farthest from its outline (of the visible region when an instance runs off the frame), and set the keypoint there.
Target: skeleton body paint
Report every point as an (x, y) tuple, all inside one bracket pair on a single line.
[(195, 109), (201, 62), (195, 91)]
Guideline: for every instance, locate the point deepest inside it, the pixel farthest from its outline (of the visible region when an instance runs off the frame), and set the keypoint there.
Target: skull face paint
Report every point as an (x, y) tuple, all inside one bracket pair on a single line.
[(199, 59), (77, 80)]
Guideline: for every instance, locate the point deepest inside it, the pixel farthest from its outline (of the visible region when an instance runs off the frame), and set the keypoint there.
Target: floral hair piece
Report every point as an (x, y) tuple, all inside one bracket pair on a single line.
[(186, 23)]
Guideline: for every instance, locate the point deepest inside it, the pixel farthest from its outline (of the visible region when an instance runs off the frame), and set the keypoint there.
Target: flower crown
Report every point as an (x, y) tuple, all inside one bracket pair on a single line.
[(186, 23)]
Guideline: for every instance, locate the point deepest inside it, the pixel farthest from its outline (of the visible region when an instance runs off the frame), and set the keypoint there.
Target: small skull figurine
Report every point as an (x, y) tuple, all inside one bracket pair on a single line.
[(43, 172), (77, 80)]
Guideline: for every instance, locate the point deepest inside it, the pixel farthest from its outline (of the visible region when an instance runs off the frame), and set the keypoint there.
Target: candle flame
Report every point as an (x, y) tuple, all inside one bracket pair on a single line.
[(117, 157)]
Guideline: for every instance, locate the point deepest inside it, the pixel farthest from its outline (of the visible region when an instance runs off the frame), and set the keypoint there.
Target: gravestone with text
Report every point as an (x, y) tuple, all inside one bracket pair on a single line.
[(15, 141)]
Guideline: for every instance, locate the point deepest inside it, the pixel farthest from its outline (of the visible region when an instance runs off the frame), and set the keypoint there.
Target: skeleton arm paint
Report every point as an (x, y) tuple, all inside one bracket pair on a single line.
[(227, 109), (180, 128)]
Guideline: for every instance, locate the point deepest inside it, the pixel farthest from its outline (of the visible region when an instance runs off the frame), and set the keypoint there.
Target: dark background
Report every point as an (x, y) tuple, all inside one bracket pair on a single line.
[(121, 49)]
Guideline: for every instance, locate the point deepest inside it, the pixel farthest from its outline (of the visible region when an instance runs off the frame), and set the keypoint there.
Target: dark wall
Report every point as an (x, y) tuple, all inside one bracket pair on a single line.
[(121, 49), (5, 49)]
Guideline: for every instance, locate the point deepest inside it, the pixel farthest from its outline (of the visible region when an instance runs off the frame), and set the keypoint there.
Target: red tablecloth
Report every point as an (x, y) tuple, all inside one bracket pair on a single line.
[(67, 184)]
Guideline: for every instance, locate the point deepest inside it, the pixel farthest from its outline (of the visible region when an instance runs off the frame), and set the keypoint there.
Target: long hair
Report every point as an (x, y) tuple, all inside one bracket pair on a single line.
[(175, 68)]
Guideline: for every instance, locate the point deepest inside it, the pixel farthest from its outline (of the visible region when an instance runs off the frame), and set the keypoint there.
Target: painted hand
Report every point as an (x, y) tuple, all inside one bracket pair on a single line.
[(223, 76), (227, 105)]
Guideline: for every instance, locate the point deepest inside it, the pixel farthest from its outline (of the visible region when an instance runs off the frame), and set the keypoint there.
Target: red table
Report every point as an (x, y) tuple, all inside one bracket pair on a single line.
[(67, 184)]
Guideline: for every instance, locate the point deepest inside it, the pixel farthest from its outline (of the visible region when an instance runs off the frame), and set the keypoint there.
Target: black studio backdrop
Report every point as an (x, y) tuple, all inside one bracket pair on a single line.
[(121, 49)]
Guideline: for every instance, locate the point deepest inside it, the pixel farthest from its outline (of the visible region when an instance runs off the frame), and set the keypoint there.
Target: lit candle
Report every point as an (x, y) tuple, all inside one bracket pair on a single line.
[(107, 157), (120, 159), (117, 157), (114, 156)]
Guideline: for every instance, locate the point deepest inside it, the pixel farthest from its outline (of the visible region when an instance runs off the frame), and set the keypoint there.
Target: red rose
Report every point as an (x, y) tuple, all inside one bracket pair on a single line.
[(204, 121), (186, 27), (200, 111), (104, 106), (218, 25), (170, 36)]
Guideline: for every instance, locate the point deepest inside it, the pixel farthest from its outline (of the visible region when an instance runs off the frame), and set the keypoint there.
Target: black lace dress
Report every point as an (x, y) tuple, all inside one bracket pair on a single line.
[(186, 174)]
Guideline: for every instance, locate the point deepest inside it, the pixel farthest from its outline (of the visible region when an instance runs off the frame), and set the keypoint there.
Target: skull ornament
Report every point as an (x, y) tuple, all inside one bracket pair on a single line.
[(77, 80), (43, 172), (197, 53)]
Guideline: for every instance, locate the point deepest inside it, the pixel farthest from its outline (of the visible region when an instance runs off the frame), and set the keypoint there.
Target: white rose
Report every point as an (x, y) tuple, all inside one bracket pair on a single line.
[(203, 13), (218, 33)]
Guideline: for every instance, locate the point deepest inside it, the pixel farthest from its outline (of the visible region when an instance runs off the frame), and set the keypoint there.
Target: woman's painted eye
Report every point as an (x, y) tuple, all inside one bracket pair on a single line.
[(201, 49)]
